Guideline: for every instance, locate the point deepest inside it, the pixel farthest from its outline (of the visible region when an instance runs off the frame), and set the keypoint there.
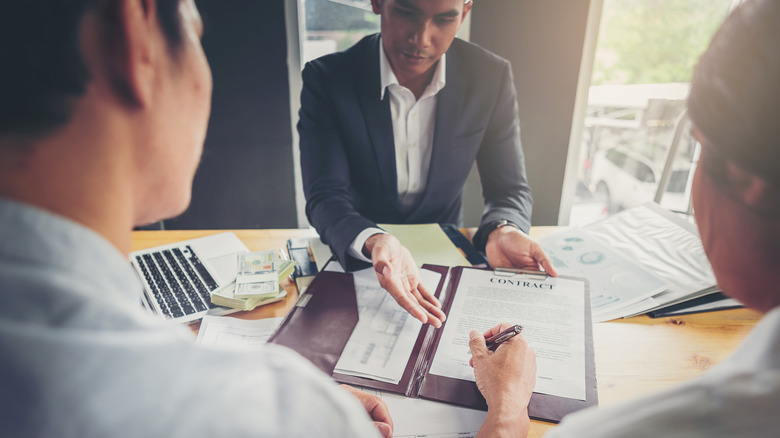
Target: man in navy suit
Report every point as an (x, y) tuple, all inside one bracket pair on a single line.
[(389, 130)]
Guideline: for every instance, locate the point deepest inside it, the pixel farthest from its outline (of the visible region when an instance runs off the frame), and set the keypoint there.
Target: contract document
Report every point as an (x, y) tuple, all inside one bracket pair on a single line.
[(551, 311), (384, 337)]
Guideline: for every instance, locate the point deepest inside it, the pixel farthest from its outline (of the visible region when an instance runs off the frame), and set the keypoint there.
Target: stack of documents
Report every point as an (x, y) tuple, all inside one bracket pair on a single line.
[(639, 260), (245, 295)]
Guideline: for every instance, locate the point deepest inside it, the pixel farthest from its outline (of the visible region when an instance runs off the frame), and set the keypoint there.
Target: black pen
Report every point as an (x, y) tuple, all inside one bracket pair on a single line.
[(494, 341)]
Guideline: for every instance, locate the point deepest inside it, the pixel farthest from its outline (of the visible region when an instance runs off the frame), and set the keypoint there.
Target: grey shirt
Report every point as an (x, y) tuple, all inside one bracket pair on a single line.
[(740, 397), (79, 357)]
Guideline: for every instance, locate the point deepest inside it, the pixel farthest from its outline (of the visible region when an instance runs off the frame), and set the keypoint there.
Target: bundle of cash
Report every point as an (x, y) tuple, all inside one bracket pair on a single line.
[(225, 295), (256, 275)]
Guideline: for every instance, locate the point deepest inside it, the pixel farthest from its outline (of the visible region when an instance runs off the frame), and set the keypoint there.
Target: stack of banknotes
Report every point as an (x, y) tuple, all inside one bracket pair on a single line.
[(257, 282)]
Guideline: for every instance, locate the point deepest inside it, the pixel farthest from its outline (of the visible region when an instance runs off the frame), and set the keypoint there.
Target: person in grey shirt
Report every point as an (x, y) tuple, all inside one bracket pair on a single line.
[(734, 105), (103, 112)]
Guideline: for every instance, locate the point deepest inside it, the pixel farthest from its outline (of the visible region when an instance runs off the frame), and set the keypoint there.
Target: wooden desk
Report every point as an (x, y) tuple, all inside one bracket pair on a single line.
[(255, 240), (634, 356)]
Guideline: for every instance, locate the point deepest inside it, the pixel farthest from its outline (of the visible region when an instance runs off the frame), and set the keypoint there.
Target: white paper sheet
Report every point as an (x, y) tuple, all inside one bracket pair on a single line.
[(664, 245), (228, 332), (551, 311), (615, 280), (417, 418), (382, 342)]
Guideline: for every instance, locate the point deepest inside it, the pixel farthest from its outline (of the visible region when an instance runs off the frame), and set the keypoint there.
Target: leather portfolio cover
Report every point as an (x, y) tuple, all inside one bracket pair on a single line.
[(321, 322), (319, 327), (412, 376)]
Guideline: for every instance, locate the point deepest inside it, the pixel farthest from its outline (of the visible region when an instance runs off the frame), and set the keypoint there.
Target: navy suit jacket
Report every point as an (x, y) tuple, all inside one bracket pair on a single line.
[(348, 152)]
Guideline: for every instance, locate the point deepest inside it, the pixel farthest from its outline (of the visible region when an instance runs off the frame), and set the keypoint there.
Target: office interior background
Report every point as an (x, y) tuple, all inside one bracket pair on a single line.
[(601, 88)]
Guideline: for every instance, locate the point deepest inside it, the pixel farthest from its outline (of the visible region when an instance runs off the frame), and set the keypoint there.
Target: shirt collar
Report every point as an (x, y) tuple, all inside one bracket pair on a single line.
[(387, 76)]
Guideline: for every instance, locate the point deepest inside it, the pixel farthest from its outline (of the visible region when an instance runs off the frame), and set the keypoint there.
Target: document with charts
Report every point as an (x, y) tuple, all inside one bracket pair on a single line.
[(616, 281)]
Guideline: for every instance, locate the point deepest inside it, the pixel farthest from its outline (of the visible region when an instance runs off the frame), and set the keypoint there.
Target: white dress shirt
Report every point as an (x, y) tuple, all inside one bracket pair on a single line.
[(739, 397), (81, 358), (414, 121)]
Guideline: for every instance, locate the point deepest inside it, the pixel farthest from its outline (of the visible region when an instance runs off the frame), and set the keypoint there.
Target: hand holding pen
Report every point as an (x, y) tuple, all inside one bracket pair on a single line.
[(506, 376), (494, 341)]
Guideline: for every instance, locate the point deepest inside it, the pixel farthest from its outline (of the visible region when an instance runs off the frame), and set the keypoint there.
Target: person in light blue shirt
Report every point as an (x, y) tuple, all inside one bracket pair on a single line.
[(734, 105), (103, 112)]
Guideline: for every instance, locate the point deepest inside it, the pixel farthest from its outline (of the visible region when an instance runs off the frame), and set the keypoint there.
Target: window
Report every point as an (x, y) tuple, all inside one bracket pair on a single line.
[(617, 158), (328, 26), (678, 181), (644, 173), (643, 61)]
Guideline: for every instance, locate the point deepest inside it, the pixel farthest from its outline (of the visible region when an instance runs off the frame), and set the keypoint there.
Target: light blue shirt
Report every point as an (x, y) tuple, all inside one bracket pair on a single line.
[(739, 397), (79, 357)]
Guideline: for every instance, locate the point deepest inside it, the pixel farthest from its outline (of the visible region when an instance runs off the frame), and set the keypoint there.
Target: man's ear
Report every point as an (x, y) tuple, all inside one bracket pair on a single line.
[(376, 6), (751, 190), (466, 9), (747, 188), (130, 48)]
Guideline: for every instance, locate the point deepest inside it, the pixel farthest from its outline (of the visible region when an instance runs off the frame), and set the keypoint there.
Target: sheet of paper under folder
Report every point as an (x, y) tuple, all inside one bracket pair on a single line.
[(384, 337)]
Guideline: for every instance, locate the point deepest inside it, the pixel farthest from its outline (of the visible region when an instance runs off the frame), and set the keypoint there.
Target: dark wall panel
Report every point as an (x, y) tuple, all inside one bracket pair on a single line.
[(543, 40), (245, 179)]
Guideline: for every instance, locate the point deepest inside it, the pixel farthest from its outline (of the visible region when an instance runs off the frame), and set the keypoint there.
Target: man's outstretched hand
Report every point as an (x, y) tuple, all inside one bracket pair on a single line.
[(397, 273)]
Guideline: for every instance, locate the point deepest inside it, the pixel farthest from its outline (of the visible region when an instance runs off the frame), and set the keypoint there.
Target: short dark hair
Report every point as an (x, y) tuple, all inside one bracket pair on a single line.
[(735, 91), (41, 66)]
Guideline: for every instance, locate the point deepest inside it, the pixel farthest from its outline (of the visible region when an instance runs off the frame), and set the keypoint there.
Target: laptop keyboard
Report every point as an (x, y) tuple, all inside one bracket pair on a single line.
[(178, 280)]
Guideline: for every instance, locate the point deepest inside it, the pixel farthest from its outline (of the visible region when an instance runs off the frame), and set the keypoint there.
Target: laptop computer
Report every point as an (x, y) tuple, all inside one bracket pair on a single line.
[(179, 277)]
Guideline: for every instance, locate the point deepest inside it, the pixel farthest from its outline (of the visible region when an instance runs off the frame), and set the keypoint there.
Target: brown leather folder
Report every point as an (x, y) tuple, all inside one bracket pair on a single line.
[(321, 322), (320, 329), (419, 361)]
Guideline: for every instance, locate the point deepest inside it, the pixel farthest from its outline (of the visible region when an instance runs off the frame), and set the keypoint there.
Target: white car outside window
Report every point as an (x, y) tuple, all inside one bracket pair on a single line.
[(623, 179)]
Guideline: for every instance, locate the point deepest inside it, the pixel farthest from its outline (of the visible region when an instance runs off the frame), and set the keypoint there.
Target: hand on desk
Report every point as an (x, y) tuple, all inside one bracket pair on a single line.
[(508, 247), (506, 378), (376, 408), (397, 273)]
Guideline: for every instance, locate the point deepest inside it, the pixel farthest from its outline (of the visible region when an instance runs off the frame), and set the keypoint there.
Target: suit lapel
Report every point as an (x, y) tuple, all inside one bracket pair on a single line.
[(378, 118)]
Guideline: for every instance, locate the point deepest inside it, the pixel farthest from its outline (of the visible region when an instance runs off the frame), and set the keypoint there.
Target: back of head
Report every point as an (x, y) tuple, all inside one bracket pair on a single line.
[(42, 69), (734, 105), (735, 91)]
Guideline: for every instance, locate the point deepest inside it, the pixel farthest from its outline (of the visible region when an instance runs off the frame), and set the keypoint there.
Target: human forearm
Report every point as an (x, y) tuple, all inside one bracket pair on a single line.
[(337, 224), (325, 169), (506, 378), (501, 165), (501, 423)]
